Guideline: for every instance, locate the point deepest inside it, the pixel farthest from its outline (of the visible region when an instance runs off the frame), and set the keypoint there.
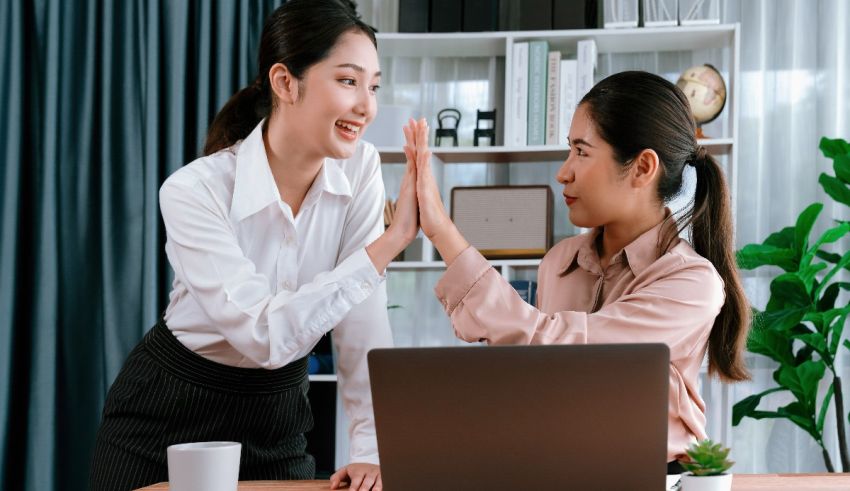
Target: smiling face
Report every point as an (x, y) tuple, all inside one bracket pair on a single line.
[(337, 98), (597, 189)]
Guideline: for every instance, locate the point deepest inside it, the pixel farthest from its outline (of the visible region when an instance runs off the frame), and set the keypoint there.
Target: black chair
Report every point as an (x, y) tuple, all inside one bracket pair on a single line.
[(449, 116), (485, 132)]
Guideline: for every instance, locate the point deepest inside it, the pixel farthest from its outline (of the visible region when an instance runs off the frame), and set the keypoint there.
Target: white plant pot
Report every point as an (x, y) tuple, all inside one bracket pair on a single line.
[(691, 482)]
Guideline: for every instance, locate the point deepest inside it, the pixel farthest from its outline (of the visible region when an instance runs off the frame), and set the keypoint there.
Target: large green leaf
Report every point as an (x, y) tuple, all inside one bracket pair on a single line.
[(784, 239), (831, 148), (808, 274), (788, 290), (827, 299), (748, 405), (841, 165), (842, 263), (755, 255), (828, 237), (804, 226), (802, 380), (771, 343), (830, 257), (835, 188), (815, 340)]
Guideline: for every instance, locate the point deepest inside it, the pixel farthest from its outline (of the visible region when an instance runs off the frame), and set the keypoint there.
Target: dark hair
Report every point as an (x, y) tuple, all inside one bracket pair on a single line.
[(299, 34), (633, 111)]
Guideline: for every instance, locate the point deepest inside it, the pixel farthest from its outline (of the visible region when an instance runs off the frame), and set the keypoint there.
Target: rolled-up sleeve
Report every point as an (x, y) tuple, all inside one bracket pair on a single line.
[(269, 329), (676, 306)]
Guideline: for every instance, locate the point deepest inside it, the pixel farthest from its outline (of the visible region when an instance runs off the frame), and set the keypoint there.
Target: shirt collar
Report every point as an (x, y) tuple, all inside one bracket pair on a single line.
[(639, 254), (254, 185)]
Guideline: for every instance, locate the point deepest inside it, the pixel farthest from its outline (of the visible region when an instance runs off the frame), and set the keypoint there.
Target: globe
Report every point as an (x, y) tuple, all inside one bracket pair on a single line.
[(706, 92)]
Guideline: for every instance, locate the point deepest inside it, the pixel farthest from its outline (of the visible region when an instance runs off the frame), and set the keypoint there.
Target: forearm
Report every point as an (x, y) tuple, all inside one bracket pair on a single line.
[(385, 248), (449, 242)]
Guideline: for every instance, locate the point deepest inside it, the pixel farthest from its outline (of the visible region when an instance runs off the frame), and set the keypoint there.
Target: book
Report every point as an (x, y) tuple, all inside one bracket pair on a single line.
[(525, 15), (446, 16), (567, 99), (586, 67), (526, 289), (413, 15), (520, 95), (538, 52), (480, 15), (574, 14), (553, 93)]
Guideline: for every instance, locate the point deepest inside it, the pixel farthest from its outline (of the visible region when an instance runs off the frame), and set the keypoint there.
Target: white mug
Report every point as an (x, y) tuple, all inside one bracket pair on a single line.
[(204, 466)]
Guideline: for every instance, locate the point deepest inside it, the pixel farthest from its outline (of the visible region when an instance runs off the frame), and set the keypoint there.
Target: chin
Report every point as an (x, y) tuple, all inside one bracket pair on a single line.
[(579, 221)]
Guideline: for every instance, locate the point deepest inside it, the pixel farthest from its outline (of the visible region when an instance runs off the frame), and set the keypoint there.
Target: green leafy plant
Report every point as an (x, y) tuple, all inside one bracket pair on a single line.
[(707, 459), (801, 326)]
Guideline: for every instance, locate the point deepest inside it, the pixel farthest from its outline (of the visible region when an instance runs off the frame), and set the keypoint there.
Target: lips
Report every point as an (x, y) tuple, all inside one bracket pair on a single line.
[(569, 199), (348, 129)]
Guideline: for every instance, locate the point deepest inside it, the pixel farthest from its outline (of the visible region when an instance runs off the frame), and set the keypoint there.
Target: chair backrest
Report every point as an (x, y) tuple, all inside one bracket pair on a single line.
[(485, 116), (448, 114)]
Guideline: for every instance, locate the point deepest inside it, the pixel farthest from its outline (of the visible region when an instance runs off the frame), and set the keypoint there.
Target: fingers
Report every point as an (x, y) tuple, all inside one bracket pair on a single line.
[(338, 477), (357, 480), (379, 484), (368, 482)]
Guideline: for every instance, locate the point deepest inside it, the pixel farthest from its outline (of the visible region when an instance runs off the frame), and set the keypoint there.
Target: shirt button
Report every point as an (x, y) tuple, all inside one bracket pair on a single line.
[(287, 285), (365, 286)]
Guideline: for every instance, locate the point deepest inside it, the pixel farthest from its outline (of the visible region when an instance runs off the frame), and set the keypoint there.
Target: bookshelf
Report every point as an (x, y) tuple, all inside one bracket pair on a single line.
[(430, 71)]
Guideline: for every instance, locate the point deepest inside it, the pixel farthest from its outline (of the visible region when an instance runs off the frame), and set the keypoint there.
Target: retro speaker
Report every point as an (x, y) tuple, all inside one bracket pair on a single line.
[(505, 221)]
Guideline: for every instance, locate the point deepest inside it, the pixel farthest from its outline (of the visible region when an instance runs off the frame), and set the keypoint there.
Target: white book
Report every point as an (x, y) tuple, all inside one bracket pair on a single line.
[(586, 67), (567, 99), (520, 95), (553, 97)]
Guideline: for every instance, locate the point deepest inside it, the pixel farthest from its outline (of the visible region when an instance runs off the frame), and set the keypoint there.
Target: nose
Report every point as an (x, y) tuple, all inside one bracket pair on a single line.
[(366, 104), (565, 173)]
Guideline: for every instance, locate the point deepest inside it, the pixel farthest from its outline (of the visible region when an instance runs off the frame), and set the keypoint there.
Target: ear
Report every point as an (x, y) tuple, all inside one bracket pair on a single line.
[(283, 84), (645, 168)]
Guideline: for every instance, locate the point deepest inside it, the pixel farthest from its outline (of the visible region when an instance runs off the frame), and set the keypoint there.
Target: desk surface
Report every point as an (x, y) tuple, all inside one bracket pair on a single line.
[(740, 482)]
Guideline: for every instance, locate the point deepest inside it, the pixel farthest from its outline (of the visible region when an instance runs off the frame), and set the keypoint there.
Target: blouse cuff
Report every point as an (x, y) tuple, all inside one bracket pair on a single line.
[(464, 272)]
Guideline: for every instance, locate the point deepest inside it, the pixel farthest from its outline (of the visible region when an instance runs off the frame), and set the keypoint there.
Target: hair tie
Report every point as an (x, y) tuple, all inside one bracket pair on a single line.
[(698, 157)]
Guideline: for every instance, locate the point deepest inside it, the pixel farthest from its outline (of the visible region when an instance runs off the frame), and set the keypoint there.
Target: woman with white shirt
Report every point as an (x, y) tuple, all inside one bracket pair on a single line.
[(276, 236), (631, 279)]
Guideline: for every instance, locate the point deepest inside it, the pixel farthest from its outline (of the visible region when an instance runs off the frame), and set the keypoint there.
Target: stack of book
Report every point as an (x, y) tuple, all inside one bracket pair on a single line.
[(546, 89)]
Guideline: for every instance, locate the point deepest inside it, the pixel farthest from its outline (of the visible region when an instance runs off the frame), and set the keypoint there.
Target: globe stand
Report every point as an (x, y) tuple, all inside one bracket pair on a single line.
[(700, 134)]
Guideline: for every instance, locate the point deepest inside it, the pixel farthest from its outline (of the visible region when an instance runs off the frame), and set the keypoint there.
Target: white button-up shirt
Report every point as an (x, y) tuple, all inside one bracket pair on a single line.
[(256, 287)]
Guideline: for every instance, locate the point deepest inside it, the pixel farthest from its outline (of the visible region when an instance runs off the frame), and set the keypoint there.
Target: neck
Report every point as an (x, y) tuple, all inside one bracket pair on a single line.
[(617, 235), (293, 166)]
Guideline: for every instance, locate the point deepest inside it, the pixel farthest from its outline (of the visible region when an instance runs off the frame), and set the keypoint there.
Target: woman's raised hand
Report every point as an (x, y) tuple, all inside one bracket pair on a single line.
[(432, 214), (433, 219)]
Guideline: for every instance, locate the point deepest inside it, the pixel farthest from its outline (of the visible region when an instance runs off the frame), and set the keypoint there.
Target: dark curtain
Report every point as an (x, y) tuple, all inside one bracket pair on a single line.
[(99, 102)]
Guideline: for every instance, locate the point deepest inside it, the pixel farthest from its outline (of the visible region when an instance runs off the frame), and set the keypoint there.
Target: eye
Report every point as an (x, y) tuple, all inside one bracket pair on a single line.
[(375, 88), (579, 151), (348, 81)]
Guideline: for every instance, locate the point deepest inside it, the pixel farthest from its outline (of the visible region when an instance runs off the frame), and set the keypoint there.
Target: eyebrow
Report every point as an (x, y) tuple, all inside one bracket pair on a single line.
[(357, 68), (579, 141)]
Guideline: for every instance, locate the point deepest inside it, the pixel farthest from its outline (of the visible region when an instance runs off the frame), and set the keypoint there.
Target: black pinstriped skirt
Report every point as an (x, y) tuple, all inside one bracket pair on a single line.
[(167, 394)]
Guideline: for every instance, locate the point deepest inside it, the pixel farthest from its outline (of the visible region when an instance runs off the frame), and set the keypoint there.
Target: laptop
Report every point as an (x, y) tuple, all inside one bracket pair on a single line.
[(522, 417)]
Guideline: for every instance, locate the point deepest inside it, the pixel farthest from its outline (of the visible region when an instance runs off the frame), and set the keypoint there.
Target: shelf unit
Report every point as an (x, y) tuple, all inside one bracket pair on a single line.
[(666, 51)]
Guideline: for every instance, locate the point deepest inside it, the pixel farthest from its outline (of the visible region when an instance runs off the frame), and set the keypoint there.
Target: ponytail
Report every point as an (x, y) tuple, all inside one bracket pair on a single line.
[(712, 234), (242, 112), (659, 117)]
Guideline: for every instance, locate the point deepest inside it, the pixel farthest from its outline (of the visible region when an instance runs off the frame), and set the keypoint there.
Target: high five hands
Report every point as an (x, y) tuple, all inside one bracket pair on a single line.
[(419, 204), (433, 219)]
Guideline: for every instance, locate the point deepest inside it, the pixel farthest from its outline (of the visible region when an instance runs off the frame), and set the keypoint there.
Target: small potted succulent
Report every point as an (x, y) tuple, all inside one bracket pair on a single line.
[(707, 467)]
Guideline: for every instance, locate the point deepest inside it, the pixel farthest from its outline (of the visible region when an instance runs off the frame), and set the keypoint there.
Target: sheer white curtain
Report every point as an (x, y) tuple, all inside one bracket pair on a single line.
[(794, 88)]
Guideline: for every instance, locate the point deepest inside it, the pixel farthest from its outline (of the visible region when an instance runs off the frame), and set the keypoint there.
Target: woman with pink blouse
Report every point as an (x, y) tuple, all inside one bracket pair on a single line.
[(631, 279)]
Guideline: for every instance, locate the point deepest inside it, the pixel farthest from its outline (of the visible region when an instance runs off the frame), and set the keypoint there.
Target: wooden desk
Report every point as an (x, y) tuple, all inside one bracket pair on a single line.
[(740, 482)]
